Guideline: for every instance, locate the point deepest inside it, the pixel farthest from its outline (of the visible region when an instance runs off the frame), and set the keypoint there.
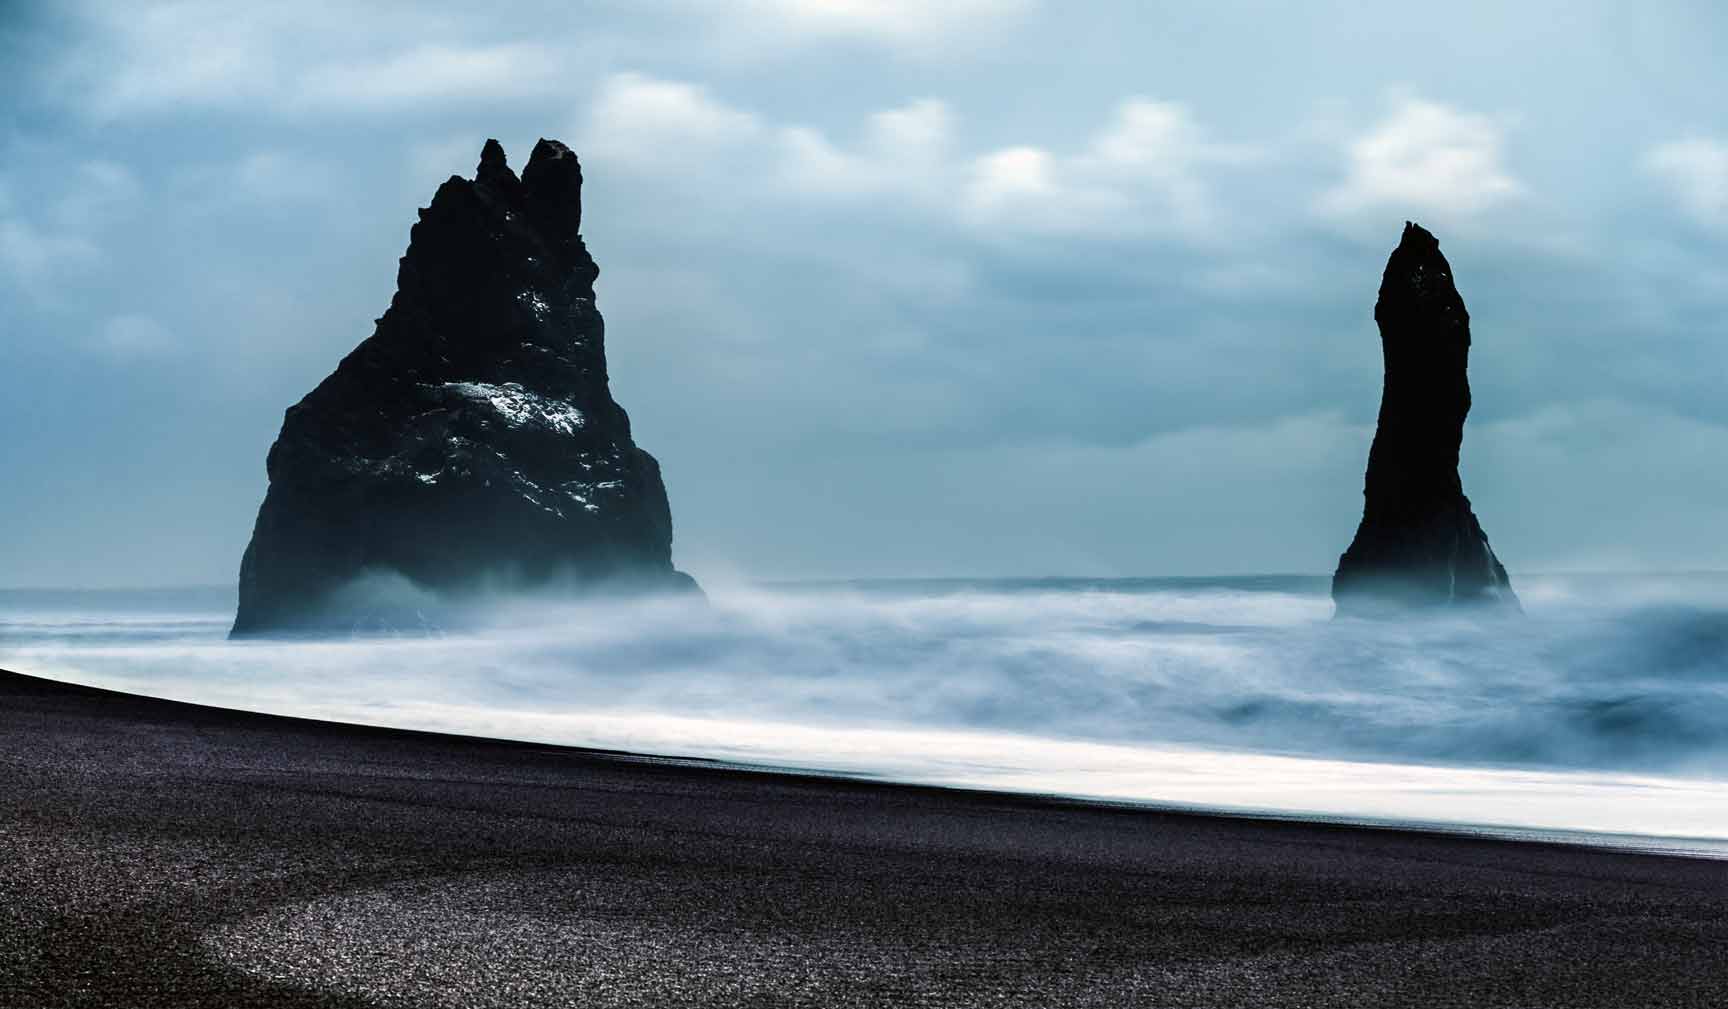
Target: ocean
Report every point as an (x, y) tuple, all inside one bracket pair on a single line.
[(1601, 715)]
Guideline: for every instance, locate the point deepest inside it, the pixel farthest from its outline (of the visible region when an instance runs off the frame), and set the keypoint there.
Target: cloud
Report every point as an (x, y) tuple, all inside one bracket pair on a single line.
[(1696, 174), (433, 72), (324, 57), (38, 250), (893, 21), (905, 149), (32, 257), (315, 56), (98, 191), (647, 122), (130, 337), (167, 55), (1020, 189), (272, 176), (1142, 173), (1424, 157)]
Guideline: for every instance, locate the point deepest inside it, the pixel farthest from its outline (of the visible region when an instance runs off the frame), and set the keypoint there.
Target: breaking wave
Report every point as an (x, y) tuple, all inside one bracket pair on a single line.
[(987, 681)]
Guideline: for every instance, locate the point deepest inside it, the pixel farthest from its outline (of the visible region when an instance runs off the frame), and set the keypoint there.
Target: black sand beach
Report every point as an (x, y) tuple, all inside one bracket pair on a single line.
[(161, 854)]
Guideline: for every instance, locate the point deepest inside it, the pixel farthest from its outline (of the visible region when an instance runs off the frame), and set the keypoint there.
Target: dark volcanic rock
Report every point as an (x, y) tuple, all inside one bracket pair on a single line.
[(471, 442), (1419, 544)]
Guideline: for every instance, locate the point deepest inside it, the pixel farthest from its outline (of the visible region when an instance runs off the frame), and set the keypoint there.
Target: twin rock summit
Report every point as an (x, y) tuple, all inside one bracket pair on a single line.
[(472, 444)]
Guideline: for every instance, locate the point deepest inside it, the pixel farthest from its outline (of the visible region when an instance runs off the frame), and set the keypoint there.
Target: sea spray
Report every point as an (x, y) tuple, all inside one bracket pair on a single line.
[(1236, 692)]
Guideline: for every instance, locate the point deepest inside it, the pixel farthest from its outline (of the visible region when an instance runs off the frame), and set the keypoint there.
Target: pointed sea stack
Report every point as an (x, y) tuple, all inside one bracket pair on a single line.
[(471, 443), (1419, 545)]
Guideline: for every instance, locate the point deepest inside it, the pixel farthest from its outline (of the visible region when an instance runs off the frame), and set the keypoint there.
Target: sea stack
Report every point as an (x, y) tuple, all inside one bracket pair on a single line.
[(1419, 545), (471, 443)]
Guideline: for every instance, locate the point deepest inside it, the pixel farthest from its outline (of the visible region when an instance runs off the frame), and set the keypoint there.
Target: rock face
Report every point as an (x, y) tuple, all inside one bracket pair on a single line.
[(472, 441), (1419, 544)]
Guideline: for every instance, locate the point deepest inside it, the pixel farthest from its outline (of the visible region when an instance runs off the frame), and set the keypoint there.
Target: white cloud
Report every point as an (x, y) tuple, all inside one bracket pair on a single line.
[(315, 55), (903, 21), (1149, 137), (330, 56), (1696, 173), (1141, 173), (1144, 172), (165, 55), (906, 149), (648, 122), (1020, 188), (1425, 157)]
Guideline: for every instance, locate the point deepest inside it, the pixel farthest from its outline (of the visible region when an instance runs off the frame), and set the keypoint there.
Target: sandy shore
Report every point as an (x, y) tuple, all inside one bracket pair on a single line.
[(162, 854)]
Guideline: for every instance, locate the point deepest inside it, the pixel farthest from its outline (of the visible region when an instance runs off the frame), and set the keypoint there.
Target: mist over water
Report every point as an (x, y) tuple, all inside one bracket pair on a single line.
[(1601, 710)]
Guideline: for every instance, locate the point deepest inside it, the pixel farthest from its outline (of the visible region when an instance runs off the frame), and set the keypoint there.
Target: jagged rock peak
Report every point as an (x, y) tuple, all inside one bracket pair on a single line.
[(553, 180), (471, 442), (1418, 287), (494, 171), (1419, 544), (553, 150)]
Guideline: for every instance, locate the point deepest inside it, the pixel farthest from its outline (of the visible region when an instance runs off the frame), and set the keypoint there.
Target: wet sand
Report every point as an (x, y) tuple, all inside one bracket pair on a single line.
[(162, 854)]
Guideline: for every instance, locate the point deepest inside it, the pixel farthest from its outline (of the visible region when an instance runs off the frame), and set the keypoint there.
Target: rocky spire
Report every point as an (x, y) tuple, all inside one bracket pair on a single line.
[(1419, 544), (472, 440), (553, 180), (494, 172)]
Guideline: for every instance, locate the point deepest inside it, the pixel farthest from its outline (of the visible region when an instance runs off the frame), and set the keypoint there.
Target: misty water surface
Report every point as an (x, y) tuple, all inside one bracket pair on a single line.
[(1599, 710)]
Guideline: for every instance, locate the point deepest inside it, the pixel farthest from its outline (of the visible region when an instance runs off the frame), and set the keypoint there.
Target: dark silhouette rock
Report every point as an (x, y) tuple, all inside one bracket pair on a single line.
[(1419, 544), (472, 442)]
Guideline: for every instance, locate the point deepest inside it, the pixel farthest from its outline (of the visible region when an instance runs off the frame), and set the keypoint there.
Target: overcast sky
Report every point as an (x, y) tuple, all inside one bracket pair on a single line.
[(893, 288)]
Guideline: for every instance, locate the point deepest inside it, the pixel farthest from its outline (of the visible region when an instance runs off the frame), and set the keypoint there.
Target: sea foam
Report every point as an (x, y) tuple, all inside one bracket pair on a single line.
[(1601, 710)]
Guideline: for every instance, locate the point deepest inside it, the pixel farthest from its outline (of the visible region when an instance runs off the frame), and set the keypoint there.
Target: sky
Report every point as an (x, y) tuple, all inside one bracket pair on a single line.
[(895, 288)]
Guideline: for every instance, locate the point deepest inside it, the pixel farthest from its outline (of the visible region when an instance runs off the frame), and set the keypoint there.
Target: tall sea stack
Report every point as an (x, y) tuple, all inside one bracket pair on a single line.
[(1419, 545), (471, 442)]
